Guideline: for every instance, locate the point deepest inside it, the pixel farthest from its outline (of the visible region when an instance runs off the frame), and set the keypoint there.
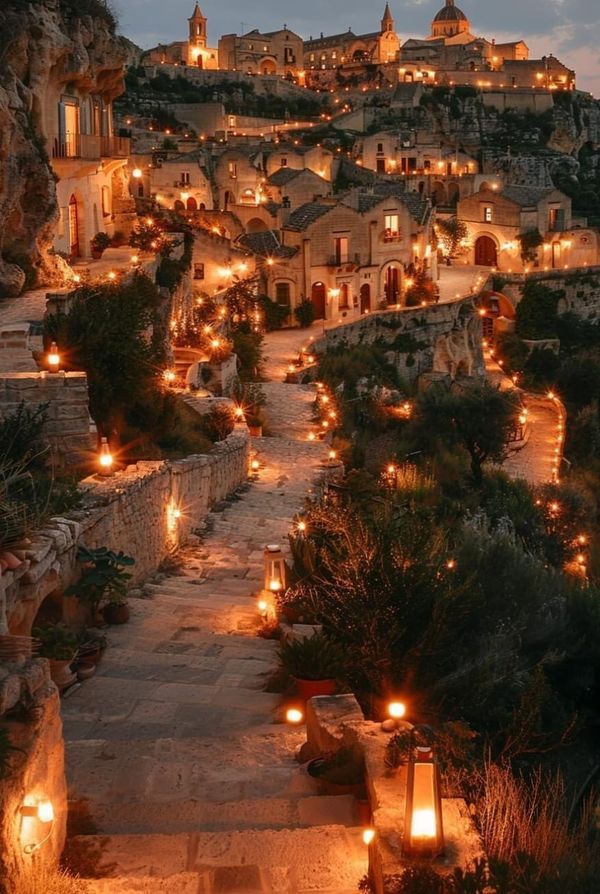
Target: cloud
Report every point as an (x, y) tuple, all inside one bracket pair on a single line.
[(569, 30)]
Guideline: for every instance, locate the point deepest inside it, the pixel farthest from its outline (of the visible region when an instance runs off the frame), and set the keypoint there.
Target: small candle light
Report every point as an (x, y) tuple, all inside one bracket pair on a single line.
[(396, 710), (294, 715), (105, 458), (255, 465), (169, 376), (53, 358)]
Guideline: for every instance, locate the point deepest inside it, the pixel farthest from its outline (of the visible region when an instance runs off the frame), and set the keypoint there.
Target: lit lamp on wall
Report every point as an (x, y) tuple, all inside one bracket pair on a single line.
[(274, 567), (37, 821), (423, 829), (105, 458)]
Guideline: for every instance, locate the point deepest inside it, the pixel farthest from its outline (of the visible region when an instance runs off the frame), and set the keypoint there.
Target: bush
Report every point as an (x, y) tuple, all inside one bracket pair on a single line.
[(275, 315), (219, 423), (312, 658), (305, 313), (537, 311)]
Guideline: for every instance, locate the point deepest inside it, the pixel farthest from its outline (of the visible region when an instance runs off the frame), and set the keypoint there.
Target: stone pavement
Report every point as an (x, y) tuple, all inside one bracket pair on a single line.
[(536, 460), (177, 759)]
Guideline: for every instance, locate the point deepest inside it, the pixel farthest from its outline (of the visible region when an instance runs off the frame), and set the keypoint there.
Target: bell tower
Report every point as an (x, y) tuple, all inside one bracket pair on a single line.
[(197, 37), (387, 22)]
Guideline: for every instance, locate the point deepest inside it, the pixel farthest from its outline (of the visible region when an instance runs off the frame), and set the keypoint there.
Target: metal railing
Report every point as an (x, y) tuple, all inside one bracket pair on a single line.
[(91, 146)]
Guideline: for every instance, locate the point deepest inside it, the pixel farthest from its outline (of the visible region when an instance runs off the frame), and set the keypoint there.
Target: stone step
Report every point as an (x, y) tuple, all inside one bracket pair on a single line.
[(217, 770), (223, 882), (318, 859), (202, 815)]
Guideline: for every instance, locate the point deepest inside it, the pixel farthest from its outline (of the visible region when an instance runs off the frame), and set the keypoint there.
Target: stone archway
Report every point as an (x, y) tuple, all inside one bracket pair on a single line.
[(453, 193), (192, 204), (365, 298), (486, 252), (391, 276), (268, 67), (438, 193), (318, 296)]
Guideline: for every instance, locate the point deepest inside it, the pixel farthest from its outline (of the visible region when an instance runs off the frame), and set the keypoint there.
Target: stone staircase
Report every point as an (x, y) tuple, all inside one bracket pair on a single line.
[(181, 772)]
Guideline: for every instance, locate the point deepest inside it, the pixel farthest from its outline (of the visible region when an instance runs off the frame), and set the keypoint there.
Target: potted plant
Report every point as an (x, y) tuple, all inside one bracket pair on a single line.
[(315, 662), (59, 645), (254, 423), (103, 580), (99, 244), (341, 772)]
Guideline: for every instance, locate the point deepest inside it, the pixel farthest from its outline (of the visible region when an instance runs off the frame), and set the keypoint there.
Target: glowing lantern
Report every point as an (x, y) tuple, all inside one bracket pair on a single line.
[(255, 465), (332, 456), (32, 816), (294, 715), (263, 607), (136, 173), (301, 527), (396, 710), (169, 376), (239, 414), (105, 458), (53, 358), (423, 831), (274, 568), (135, 260), (368, 835)]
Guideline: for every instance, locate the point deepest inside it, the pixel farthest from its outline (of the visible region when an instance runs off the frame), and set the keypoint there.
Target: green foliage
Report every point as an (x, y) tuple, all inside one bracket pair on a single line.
[(274, 315), (305, 313), (478, 416), (219, 423), (21, 436), (103, 577), (100, 242), (247, 346), (312, 658), (537, 312), (423, 290), (529, 242), (146, 236), (105, 334), (451, 232), (57, 642)]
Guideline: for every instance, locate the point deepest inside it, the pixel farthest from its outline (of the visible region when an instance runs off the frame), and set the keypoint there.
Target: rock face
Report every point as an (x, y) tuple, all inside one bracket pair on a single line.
[(44, 46)]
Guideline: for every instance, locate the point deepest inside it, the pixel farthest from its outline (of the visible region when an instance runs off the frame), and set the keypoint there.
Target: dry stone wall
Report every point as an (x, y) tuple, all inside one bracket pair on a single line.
[(581, 288)]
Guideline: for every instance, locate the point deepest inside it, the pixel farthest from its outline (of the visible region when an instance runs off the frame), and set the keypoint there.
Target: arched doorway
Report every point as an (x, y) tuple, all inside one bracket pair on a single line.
[(556, 254), (74, 247), (439, 193), (453, 193), (178, 206), (391, 284), (365, 298), (344, 297), (192, 204), (267, 67), (256, 225), (318, 298), (486, 253)]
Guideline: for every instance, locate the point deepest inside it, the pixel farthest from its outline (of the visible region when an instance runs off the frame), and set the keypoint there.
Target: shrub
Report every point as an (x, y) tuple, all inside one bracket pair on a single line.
[(312, 658), (100, 242), (219, 423), (275, 315), (57, 642), (537, 311), (305, 313)]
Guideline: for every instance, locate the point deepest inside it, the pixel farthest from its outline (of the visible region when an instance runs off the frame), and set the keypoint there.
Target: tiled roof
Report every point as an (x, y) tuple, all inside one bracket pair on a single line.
[(418, 207), (266, 244), (282, 176), (526, 195), (305, 215)]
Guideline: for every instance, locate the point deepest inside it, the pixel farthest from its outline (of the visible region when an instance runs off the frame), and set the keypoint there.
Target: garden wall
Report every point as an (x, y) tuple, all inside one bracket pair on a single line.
[(443, 338), (146, 511), (68, 426)]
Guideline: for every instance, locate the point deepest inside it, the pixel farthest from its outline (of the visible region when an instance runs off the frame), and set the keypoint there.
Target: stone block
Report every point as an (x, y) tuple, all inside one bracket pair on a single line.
[(326, 719)]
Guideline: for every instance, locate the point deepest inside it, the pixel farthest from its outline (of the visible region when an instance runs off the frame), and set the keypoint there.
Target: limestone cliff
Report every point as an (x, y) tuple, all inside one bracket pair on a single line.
[(45, 45)]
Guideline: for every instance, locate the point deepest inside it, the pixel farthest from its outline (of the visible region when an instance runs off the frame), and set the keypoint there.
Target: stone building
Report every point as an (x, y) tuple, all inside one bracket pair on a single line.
[(193, 52), (425, 165), (332, 51), (290, 188), (87, 157), (180, 182), (266, 53), (452, 54), (300, 158), (497, 219), (349, 256)]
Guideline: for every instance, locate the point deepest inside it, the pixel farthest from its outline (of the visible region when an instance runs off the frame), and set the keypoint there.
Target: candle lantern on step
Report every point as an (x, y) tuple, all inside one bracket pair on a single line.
[(423, 829), (275, 570)]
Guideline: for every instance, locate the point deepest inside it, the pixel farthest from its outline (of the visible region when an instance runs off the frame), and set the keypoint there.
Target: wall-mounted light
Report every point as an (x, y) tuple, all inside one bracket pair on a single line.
[(36, 818)]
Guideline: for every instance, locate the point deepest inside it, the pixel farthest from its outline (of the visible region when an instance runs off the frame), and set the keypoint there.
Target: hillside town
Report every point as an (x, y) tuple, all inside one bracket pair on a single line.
[(299, 481)]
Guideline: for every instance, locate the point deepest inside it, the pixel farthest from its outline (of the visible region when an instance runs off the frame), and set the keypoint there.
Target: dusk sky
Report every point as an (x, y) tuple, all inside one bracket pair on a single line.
[(569, 30)]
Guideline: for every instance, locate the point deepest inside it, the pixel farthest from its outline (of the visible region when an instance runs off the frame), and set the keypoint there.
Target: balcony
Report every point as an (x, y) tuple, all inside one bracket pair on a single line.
[(91, 147)]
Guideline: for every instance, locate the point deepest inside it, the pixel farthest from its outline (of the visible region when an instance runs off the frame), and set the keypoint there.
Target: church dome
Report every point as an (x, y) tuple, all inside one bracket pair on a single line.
[(450, 13)]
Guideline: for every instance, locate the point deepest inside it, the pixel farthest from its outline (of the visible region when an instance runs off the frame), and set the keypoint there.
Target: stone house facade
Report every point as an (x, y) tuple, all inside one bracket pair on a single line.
[(350, 256), (332, 51), (264, 53), (496, 220)]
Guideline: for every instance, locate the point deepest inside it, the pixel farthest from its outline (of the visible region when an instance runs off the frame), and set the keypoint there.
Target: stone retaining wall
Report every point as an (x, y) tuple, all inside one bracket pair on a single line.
[(146, 511), (68, 427), (581, 287), (444, 338)]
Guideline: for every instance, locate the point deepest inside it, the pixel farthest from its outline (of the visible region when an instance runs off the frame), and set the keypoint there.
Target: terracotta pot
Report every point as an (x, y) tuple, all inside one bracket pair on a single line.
[(309, 688), (96, 255), (61, 673), (116, 614), (255, 431), (90, 655)]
